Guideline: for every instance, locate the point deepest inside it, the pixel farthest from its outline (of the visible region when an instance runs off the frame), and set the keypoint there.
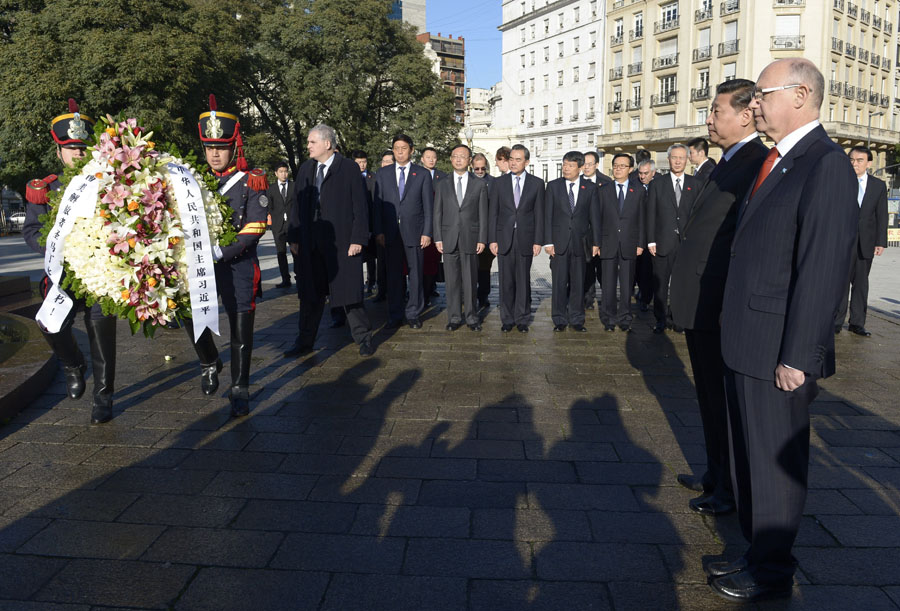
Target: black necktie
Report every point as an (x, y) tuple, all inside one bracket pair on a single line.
[(621, 198), (320, 178), (284, 191), (571, 196)]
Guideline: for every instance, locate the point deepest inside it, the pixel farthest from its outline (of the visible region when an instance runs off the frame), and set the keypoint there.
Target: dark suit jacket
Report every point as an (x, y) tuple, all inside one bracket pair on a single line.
[(566, 229), (343, 221), (527, 220), (789, 263), (414, 211), (438, 175), (701, 263), (665, 218), (465, 226), (873, 218), (600, 178), (280, 208), (705, 170), (623, 231)]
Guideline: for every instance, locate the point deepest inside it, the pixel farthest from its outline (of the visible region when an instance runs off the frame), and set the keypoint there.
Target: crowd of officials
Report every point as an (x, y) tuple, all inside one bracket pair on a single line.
[(751, 257)]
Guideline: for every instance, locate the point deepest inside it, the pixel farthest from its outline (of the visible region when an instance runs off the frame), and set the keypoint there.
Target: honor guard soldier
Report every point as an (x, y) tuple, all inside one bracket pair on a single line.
[(237, 266), (71, 132)]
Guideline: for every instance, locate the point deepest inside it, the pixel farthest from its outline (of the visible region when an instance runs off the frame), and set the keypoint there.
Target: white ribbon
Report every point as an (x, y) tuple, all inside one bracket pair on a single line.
[(201, 276), (79, 200), (231, 182)]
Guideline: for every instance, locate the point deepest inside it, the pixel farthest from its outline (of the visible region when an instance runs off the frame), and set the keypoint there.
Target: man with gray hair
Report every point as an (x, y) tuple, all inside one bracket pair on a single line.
[(669, 203), (788, 268), (328, 228)]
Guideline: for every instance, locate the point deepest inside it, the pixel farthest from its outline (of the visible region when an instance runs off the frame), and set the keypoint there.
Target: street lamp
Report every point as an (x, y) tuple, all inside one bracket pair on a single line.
[(869, 136), (470, 135)]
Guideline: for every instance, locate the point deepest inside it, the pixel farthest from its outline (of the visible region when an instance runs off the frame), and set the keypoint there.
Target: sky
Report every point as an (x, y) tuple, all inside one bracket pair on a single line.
[(476, 21)]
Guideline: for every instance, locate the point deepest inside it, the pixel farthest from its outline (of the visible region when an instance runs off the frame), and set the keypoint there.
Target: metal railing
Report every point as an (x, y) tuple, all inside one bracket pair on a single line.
[(839, 5), (616, 39), (666, 61), (850, 50), (834, 87), (702, 14), (665, 26), (663, 99), (849, 91), (615, 73), (729, 7), (702, 53), (865, 16), (699, 93), (837, 45), (615, 106), (729, 47), (634, 104), (852, 10), (635, 34), (635, 68)]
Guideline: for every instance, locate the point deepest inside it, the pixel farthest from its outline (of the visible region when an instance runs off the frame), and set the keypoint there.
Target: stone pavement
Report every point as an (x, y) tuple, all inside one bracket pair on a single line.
[(449, 471)]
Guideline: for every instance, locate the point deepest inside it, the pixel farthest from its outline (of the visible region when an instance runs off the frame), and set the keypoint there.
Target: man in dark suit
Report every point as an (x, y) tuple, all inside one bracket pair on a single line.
[(482, 169), (789, 262), (643, 267), (698, 281), (571, 207), (370, 252), (591, 171), (873, 216), (669, 201), (620, 237), (431, 258), (327, 232), (699, 154), (516, 228), (404, 204), (460, 234), (282, 199)]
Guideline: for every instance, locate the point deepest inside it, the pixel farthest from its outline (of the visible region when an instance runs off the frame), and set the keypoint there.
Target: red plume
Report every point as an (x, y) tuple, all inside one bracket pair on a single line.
[(241, 163), (73, 105), (212, 102)]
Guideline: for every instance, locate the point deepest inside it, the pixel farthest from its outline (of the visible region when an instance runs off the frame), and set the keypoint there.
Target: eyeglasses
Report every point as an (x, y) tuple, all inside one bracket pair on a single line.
[(459, 156), (759, 94), (619, 166), (479, 170)]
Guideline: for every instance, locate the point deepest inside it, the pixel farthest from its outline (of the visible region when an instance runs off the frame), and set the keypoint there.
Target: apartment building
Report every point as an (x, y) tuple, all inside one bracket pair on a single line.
[(665, 58)]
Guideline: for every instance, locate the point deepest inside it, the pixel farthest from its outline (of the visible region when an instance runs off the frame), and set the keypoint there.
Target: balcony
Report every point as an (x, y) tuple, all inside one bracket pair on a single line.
[(544, 122), (557, 120), (729, 47), (837, 45), (665, 26), (834, 87), (784, 3), (635, 68), (885, 100), (635, 34), (787, 43), (873, 98), (702, 14), (702, 54), (839, 5), (888, 28), (634, 104), (615, 106), (590, 115), (865, 16), (849, 91), (663, 99), (618, 4), (861, 95), (699, 93), (666, 61), (615, 73), (850, 50), (876, 22), (875, 59), (530, 124), (574, 117), (616, 39), (852, 10), (729, 7), (863, 56), (885, 63)]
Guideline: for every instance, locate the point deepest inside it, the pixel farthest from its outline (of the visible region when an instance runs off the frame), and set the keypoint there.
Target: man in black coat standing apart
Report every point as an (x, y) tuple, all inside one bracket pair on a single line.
[(516, 228), (282, 200), (698, 281), (873, 220), (404, 205), (327, 233), (789, 261)]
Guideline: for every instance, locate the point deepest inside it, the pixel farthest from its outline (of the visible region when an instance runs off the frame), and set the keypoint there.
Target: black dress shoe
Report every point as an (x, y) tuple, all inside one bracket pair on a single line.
[(859, 330), (240, 401), (365, 348), (711, 506), (659, 328), (559, 328), (337, 324), (283, 285), (644, 307), (393, 324), (297, 350), (726, 567), (742, 587), (414, 323), (74, 380), (522, 328), (690, 482), (837, 329), (483, 304), (579, 329), (453, 326), (625, 327), (475, 327), (209, 377), (506, 328), (609, 327)]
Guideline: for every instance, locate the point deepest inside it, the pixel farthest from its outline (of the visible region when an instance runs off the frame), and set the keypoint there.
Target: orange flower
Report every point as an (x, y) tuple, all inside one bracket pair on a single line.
[(133, 205), (125, 295), (151, 145), (104, 213), (131, 242), (111, 131), (99, 175), (172, 305), (174, 240), (151, 281)]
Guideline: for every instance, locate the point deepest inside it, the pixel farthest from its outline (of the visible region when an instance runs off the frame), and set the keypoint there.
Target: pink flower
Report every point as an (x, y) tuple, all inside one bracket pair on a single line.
[(121, 247), (116, 196), (107, 147), (130, 158), (127, 124)]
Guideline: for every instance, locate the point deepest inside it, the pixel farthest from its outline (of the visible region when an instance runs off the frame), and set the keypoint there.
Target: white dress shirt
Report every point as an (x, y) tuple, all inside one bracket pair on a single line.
[(727, 155), (405, 172), (465, 183), (791, 140)]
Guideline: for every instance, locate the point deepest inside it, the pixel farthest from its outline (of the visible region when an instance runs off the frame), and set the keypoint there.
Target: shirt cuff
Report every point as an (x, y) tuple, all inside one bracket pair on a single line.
[(548, 245), (788, 366), (649, 244), (217, 253)]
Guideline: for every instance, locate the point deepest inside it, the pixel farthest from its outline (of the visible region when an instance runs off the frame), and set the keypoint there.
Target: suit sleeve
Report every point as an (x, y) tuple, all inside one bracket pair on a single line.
[(539, 210), (377, 205), (549, 205), (438, 213), (827, 220), (254, 226), (642, 220), (596, 217), (359, 234), (483, 208), (428, 204), (493, 211), (31, 230), (881, 218), (649, 206), (295, 213)]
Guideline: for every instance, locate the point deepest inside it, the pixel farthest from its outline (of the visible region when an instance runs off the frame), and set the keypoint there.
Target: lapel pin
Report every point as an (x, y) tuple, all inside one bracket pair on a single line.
[(784, 170)]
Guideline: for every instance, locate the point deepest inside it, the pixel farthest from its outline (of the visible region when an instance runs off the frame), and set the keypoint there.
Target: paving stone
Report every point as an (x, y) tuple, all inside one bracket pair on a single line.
[(427, 468), (18, 605), (43, 453), (214, 589), (411, 521), (14, 531), (531, 525), (117, 582), (395, 592), (652, 528), (863, 531), (574, 561), (94, 505), (221, 547), (297, 516), (366, 490), (158, 481), (581, 496), (221, 460), (841, 597), (340, 553), (850, 566), (182, 510), (147, 457), (526, 471), (24, 575), (81, 539), (473, 494), (538, 595), (259, 485), (882, 501), (468, 558), (58, 476)]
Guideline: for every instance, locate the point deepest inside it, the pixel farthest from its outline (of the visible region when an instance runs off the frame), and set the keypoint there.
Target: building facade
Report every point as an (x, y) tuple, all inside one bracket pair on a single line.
[(410, 11), (451, 66)]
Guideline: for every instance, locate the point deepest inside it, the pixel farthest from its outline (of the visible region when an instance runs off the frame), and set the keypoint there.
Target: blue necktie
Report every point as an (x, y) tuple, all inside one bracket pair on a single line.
[(401, 186), (860, 193), (621, 198), (517, 195)]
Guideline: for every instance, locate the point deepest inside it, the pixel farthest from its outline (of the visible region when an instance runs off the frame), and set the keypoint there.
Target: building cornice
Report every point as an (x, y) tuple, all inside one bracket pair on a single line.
[(549, 8)]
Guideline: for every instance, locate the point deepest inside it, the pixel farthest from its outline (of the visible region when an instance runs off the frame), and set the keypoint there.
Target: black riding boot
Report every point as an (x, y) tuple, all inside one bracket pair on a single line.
[(208, 354), (102, 333), (241, 348), (66, 350)]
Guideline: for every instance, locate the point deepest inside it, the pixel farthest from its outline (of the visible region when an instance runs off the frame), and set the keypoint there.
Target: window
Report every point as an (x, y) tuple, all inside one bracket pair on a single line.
[(531, 85), (665, 120), (522, 32), (590, 139), (618, 28), (574, 109), (731, 30), (521, 87), (546, 26), (831, 113), (559, 49), (559, 113), (532, 58), (667, 85), (523, 60), (836, 28), (668, 47), (593, 38), (593, 8), (546, 82), (729, 71), (575, 74), (560, 19), (559, 78), (703, 40), (617, 59), (702, 113), (637, 54), (617, 93), (834, 72), (575, 141), (532, 31), (668, 12), (638, 24), (546, 54), (592, 70), (531, 120), (577, 15), (522, 116), (545, 172), (577, 44), (559, 142), (558, 170), (545, 116), (636, 92), (591, 100), (616, 126), (635, 124), (703, 81)]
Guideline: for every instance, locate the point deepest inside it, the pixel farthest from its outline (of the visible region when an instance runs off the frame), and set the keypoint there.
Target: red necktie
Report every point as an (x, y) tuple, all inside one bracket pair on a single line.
[(765, 169)]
